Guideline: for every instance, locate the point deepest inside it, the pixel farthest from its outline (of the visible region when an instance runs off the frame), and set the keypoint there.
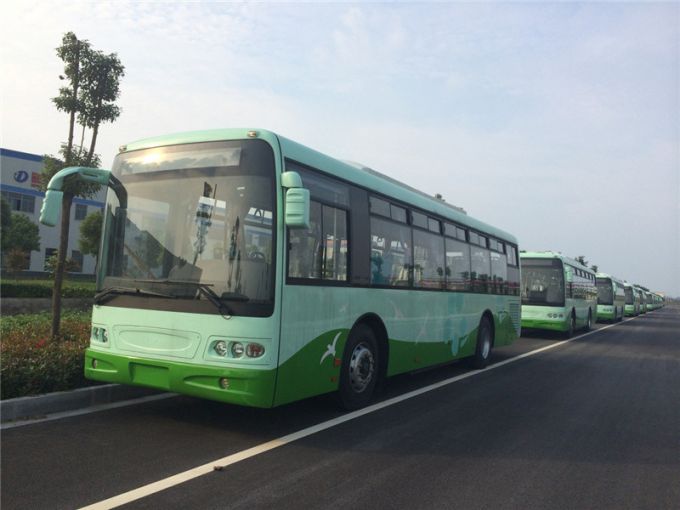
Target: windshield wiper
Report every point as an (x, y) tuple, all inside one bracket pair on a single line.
[(203, 288), (107, 294)]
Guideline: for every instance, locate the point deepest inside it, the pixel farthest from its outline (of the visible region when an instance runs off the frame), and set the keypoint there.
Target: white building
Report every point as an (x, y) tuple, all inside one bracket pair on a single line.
[(20, 186)]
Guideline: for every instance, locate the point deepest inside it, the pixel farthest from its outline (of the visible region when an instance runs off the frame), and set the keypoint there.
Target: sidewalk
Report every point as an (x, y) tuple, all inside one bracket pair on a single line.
[(40, 406)]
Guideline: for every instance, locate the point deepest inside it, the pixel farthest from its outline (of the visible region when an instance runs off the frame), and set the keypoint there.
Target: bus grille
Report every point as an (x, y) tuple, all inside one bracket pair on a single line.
[(515, 316)]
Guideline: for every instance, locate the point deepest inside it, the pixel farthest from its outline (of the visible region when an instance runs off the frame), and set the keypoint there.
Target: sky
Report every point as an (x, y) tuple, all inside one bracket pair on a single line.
[(557, 122)]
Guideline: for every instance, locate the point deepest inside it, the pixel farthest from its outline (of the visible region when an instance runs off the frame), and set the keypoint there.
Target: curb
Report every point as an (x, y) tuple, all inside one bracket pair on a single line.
[(39, 406)]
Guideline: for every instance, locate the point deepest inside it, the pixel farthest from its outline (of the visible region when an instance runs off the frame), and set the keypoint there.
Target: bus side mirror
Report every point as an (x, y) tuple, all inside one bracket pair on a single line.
[(51, 205), (297, 208), (49, 212)]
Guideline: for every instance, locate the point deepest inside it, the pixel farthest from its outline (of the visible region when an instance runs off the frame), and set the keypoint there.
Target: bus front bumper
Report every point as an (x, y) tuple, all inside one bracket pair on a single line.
[(551, 325), (239, 386)]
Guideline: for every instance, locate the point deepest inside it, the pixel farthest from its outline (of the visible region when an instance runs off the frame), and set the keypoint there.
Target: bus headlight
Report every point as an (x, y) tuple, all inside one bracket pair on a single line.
[(99, 335), (237, 349), (220, 348)]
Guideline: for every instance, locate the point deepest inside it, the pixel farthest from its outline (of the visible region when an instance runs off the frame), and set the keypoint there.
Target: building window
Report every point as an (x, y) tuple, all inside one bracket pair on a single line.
[(49, 252), (77, 258), (20, 202), (81, 211)]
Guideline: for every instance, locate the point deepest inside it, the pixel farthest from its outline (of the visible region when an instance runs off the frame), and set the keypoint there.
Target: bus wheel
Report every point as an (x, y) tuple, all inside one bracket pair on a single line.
[(484, 343), (589, 324), (359, 372), (572, 326)]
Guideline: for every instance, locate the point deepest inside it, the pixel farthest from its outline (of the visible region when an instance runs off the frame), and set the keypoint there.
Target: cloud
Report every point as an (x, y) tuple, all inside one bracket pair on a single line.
[(544, 119)]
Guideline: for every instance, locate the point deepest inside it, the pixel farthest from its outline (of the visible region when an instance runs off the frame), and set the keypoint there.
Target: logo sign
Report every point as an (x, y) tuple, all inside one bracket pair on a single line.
[(35, 179), (21, 176)]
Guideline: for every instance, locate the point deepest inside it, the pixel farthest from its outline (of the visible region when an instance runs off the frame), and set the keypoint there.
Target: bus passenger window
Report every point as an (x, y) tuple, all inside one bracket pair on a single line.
[(305, 254), (390, 253), (428, 260), (457, 265), (321, 251)]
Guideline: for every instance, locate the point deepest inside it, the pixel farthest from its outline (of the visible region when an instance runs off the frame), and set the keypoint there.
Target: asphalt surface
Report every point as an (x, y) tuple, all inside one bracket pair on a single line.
[(593, 423)]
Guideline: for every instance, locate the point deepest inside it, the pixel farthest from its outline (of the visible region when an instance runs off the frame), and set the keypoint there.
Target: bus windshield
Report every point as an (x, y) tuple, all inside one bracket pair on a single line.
[(198, 223), (605, 292), (629, 296), (542, 282)]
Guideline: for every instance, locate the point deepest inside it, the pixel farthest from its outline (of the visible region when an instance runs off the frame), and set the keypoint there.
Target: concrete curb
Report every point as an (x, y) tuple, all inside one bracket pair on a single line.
[(39, 406)]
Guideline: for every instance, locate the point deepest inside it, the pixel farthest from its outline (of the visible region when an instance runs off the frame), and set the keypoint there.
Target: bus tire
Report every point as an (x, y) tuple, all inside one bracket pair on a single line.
[(360, 368), (572, 326), (484, 344)]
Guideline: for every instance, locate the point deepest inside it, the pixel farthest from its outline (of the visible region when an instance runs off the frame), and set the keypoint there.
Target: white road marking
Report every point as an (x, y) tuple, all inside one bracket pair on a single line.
[(219, 464), (87, 410)]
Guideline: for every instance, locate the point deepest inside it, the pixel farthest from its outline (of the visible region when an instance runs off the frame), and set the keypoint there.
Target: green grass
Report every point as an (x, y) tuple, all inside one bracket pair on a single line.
[(43, 288)]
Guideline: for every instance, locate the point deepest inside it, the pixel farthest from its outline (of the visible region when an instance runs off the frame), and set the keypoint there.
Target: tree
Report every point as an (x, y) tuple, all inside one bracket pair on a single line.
[(16, 260), (5, 217), (51, 265), (90, 234), (22, 235), (93, 87), (73, 52), (101, 88), (594, 268)]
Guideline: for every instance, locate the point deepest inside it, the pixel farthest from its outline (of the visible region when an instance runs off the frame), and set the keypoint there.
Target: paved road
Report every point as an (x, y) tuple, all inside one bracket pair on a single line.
[(592, 423)]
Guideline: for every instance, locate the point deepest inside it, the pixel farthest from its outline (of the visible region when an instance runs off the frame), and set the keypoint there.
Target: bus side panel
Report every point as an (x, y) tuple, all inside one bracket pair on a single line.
[(423, 328)]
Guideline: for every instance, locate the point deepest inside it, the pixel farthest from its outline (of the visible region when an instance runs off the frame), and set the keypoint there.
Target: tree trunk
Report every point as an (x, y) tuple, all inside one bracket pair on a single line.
[(72, 120), (61, 260), (82, 140), (90, 154)]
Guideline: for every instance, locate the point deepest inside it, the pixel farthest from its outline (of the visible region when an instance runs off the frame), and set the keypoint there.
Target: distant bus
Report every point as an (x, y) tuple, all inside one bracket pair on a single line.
[(643, 299), (558, 293), (656, 300), (240, 266), (632, 300), (611, 298)]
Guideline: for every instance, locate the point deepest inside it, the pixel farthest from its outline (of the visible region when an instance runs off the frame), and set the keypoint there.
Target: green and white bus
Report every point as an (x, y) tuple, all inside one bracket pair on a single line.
[(632, 300), (643, 298), (611, 298), (558, 293), (242, 267), (657, 300)]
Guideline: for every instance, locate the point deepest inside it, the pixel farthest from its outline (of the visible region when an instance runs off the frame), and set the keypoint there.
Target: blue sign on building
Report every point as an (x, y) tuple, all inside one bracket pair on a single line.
[(21, 176)]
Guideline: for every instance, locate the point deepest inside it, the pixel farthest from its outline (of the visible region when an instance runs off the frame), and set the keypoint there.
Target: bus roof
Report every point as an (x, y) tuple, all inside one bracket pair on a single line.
[(613, 278), (351, 172), (554, 255)]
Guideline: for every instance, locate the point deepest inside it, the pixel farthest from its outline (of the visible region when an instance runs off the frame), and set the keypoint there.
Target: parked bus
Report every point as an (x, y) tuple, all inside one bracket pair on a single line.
[(242, 267), (656, 300), (611, 298), (632, 307), (643, 299), (558, 293)]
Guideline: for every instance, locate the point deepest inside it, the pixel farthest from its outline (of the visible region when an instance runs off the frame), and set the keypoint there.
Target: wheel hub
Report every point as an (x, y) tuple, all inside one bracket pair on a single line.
[(361, 367)]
